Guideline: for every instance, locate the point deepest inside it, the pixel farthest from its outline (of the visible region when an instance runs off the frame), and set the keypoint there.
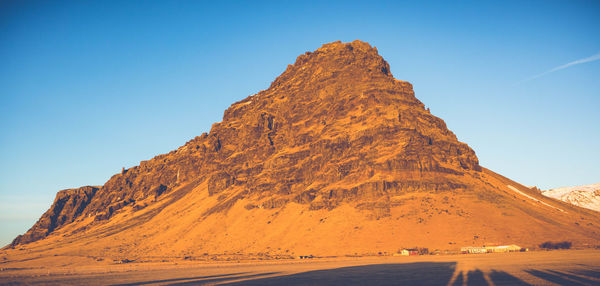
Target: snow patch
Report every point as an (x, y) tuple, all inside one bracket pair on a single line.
[(532, 198)]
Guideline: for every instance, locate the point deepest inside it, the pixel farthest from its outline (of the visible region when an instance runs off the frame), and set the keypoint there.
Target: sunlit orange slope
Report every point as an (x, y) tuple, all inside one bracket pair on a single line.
[(336, 157)]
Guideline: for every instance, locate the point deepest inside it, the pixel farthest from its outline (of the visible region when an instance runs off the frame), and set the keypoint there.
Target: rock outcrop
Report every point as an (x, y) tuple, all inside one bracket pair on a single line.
[(67, 206)]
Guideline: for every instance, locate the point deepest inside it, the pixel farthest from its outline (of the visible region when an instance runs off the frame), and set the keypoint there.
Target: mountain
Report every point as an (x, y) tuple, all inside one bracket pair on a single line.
[(336, 157), (587, 196)]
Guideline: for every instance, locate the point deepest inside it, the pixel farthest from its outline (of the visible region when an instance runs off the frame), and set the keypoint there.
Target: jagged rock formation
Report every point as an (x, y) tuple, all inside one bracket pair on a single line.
[(334, 136), (361, 122), (67, 206)]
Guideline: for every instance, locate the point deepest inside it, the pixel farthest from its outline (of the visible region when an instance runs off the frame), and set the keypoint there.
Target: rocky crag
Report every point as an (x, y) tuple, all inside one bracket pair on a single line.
[(335, 138)]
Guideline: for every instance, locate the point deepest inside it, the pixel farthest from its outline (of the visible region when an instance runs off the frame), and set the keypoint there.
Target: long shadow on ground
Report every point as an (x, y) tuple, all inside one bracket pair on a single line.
[(503, 278), (563, 278), (222, 276), (498, 278), (216, 280), (593, 274), (421, 273)]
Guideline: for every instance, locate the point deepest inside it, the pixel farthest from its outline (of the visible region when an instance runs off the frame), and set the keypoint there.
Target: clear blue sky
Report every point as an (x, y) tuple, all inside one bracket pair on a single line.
[(88, 87)]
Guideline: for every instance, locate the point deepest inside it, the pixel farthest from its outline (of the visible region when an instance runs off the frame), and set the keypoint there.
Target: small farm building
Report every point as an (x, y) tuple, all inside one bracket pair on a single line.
[(472, 250), (503, 248), (409, 252)]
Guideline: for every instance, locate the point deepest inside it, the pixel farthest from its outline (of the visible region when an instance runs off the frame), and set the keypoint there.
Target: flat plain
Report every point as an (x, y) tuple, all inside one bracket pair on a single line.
[(562, 267)]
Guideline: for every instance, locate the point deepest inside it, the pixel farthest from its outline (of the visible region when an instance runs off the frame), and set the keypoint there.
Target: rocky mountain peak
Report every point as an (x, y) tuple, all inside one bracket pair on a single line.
[(335, 128), (336, 157), (346, 60)]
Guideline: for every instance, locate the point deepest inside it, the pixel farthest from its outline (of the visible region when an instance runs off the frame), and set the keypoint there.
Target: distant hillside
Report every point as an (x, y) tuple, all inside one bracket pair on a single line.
[(586, 196)]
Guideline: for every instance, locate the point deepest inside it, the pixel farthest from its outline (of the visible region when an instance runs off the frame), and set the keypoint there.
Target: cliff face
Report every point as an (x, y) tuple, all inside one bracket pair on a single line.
[(334, 129), (67, 206)]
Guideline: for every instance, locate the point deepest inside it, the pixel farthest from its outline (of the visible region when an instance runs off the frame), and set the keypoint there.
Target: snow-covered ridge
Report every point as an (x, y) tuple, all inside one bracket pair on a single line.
[(587, 196)]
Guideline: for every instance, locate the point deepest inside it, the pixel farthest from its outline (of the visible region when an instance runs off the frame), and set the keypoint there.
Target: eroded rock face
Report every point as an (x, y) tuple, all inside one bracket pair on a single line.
[(68, 205), (334, 127)]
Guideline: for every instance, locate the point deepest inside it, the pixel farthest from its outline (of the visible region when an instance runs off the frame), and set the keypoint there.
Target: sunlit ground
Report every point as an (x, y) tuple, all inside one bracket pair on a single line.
[(566, 267)]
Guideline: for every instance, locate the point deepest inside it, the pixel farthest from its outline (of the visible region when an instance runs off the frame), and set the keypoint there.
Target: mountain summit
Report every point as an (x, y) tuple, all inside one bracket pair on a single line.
[(336, 157)]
